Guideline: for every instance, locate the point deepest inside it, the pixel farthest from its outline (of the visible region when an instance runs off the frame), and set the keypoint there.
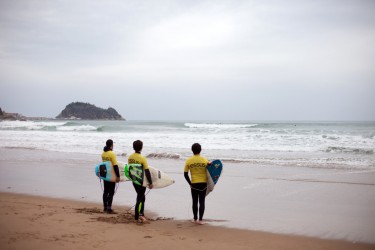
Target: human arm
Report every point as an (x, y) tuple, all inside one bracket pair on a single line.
[(115, 168), (208, 162), (187, 178), (186, 173), (147, 172), (148, 176), (115, 165)]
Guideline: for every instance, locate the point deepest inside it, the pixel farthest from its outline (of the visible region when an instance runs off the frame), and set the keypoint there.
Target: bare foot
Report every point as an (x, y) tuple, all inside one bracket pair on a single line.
[(200, 222), (142, 218), (138, 222)]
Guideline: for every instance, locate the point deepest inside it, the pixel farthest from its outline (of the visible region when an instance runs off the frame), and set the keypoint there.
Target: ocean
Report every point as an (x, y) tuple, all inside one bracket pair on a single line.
[(337, 145), (282, 177)]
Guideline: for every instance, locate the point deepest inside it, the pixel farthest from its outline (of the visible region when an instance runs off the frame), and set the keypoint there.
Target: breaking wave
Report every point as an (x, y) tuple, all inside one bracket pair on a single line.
[(164, 155), (349, 150), (219, 125), (30, 125), (77, 128), (46, 126)]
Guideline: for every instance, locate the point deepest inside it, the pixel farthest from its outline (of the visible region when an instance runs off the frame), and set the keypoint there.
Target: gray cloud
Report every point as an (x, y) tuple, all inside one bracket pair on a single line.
[(310, 60)]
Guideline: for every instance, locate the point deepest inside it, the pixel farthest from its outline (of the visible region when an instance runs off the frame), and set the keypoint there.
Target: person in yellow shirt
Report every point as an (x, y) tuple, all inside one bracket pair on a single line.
[(109, 187), (197, 165), (137, 158)]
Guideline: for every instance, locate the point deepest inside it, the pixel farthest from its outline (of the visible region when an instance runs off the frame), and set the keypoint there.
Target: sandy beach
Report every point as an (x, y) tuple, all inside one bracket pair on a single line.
[(53, 200), (32, 222)]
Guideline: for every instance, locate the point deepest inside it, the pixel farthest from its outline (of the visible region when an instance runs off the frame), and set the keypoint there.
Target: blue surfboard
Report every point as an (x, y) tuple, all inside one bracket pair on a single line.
[(213, 174), (106, 172)]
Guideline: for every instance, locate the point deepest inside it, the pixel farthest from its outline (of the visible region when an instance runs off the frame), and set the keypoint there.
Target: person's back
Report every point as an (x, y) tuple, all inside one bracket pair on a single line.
[(137, 158), (197, 165), (109, 156), (109, 187)]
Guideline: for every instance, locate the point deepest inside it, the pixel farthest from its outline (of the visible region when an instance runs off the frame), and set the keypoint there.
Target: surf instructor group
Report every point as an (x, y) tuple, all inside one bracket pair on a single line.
[(195, 164)]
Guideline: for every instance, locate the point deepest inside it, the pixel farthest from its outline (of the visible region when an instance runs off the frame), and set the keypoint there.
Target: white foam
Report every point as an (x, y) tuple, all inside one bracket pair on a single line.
[(219, 125), (164, 155), (30, 125), (77, 128)]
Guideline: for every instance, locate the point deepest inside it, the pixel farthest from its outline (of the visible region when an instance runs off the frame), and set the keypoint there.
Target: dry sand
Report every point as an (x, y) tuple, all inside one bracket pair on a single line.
[(33, 222)]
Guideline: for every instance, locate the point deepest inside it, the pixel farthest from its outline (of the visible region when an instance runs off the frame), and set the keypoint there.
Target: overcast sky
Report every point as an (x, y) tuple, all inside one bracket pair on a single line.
[(190, 60)]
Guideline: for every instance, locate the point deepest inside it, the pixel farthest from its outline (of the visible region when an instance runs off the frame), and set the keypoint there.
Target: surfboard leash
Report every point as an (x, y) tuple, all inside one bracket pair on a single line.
[(100, 181), (203, 188), (134, 205), (117, 185)]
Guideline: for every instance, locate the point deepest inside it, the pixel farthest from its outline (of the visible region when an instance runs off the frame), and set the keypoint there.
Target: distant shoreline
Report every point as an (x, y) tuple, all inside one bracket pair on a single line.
[(19, 117)]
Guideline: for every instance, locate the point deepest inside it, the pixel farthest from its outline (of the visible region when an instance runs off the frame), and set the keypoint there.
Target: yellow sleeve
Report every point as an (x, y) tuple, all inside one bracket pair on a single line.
[(145, 164), (114, 159)]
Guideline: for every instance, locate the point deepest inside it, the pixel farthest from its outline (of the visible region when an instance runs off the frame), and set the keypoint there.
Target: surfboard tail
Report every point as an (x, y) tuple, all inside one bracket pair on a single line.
[(213, 174)]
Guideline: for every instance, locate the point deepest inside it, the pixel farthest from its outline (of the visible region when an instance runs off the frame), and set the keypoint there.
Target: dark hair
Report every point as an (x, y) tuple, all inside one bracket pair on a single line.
[(137, 145), (196, 148), (108, 145)]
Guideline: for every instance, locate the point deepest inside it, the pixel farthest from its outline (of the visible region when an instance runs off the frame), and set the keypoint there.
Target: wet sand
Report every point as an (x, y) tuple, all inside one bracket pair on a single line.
[(32, 222)]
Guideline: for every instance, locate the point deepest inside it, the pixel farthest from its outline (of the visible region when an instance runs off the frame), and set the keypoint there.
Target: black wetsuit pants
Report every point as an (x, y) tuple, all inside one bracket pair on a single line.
[(198, 193), (140, 204), (109, 192)]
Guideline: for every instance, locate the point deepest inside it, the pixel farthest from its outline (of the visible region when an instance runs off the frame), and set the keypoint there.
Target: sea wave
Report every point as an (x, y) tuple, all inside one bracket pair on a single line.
[(164, 155), (369, 136), (77, 128), (325, 163), (27, 148), (331, 137), (29, 125), (46, 126), (350, 150), (219, 125)]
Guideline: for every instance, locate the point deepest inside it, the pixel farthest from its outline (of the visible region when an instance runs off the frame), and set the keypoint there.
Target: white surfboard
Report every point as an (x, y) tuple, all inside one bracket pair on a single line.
[(135, 173)]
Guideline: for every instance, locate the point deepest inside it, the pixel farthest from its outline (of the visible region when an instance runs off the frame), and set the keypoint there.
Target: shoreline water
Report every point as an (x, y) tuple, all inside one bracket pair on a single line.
[(288, 200)]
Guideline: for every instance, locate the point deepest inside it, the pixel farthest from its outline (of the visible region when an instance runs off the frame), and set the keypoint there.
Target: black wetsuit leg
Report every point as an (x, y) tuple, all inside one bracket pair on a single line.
[(198, 194), (140, 204), (109, 192)]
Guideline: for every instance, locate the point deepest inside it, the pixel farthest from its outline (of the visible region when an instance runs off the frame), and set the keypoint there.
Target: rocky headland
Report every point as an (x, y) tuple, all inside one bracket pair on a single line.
[(87, 111), (11, 116)]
